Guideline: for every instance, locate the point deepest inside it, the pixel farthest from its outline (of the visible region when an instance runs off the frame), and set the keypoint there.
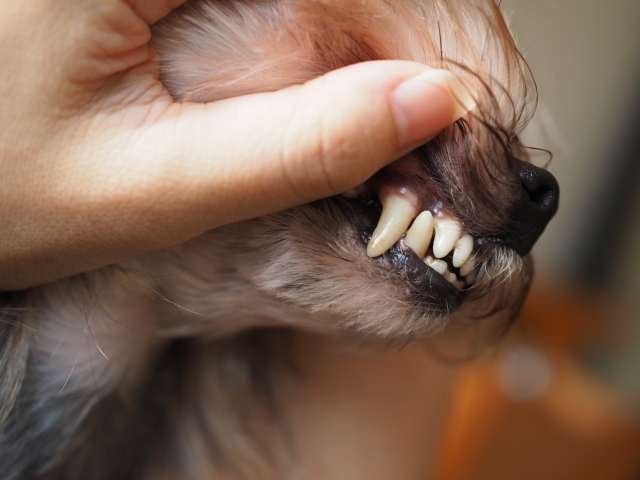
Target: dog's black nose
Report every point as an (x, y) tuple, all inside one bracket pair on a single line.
[(537, 203)]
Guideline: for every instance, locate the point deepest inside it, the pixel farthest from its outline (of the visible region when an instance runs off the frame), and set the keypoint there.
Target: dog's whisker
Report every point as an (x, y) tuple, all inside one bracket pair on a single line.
[(73, 366), (55, 350), (95, 341), (159, 296), (16, 323)]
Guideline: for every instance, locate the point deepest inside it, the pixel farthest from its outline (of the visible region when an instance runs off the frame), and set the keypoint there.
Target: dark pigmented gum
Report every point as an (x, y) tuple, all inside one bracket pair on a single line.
[(420, 277)]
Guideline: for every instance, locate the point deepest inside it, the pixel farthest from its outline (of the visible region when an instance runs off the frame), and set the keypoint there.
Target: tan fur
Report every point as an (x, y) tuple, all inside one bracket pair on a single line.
[(185, 347)]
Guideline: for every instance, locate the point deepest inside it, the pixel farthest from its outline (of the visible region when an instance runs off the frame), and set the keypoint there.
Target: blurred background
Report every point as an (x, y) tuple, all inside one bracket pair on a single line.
[(585, 56), (560, 398)]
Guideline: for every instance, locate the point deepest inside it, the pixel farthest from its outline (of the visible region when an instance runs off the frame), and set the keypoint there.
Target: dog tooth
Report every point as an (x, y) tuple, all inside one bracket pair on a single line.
[(420, 233), (447, 235), (451, 277), (471, 277), (439, 266), (462, 250), (396, 217), (467, 267), (459, 284)]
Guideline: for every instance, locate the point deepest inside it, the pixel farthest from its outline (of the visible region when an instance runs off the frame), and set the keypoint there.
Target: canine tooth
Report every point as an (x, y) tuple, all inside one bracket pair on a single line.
[(459, 284), (397, 214), (467, 268), (462, 250), (420, 233), (447, 235), (451, 277), (439, 266)]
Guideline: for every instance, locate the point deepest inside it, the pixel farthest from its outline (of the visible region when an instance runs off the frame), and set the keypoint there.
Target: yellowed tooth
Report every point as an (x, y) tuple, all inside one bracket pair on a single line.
[(439, 266), (462, 250), (420, 233), (396, 217), (467, 267), (447, 235), (451, 277)]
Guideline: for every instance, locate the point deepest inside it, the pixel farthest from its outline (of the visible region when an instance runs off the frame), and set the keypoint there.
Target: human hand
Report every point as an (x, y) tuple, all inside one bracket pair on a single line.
[(99, 164)]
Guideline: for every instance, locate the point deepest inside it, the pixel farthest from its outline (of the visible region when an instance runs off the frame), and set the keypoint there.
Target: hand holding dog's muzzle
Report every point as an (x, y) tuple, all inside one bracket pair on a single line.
[(98, 163)]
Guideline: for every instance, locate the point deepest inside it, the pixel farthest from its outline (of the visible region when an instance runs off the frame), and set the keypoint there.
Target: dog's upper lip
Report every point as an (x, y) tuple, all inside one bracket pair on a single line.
[(409, 178)]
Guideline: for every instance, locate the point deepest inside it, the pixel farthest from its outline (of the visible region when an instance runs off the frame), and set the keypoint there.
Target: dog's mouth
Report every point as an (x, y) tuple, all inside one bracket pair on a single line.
[(400, 257), (402, 252), (410, 227)]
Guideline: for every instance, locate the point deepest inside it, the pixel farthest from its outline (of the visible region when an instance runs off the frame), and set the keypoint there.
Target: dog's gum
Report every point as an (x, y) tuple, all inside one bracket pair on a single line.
[(404, 189), (409, 179)]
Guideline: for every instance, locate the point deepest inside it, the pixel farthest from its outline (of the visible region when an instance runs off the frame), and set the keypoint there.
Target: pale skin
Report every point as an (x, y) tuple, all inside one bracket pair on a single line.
[(99, 164)]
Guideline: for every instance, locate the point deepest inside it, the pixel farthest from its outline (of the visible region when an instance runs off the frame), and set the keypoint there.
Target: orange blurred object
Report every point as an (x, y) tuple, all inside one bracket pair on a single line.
[(530, 411)]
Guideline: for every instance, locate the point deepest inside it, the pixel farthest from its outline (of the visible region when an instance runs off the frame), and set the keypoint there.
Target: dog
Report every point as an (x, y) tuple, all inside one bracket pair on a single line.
[(170, 365)]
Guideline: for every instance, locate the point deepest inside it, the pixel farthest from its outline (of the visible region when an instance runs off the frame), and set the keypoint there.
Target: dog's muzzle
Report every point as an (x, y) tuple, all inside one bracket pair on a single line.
[(416, 218), (537, 203)]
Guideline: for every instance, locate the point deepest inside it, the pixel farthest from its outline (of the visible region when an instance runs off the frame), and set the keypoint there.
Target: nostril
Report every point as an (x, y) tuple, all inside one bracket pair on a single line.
[(542, 197), (540, 186), (536, 204), (545, 197)]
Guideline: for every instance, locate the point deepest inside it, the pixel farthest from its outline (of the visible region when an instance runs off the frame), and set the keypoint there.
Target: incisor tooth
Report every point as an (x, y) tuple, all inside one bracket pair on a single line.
[(397, 214), (463, 250), (451, 277), (467, 268), (439, 266), (447, 235), (420, 233)]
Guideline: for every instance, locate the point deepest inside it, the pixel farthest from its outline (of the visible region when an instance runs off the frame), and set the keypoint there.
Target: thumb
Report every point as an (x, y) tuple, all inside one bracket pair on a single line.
[(149, 177), (257, 154)]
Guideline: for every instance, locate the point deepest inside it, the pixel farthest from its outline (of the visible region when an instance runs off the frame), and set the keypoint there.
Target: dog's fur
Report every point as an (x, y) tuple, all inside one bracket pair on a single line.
[(168, 365)]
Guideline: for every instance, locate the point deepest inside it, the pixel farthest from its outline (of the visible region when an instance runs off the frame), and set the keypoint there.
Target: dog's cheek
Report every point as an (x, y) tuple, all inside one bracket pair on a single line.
[(92, 338), (319, 265), (93, 333)]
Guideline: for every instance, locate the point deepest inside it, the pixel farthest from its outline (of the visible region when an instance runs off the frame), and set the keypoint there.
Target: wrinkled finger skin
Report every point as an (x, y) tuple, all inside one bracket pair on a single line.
[(99, 164)]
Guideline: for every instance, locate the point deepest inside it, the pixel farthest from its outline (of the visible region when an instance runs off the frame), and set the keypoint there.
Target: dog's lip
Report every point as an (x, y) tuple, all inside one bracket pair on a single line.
[(416, 272)]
